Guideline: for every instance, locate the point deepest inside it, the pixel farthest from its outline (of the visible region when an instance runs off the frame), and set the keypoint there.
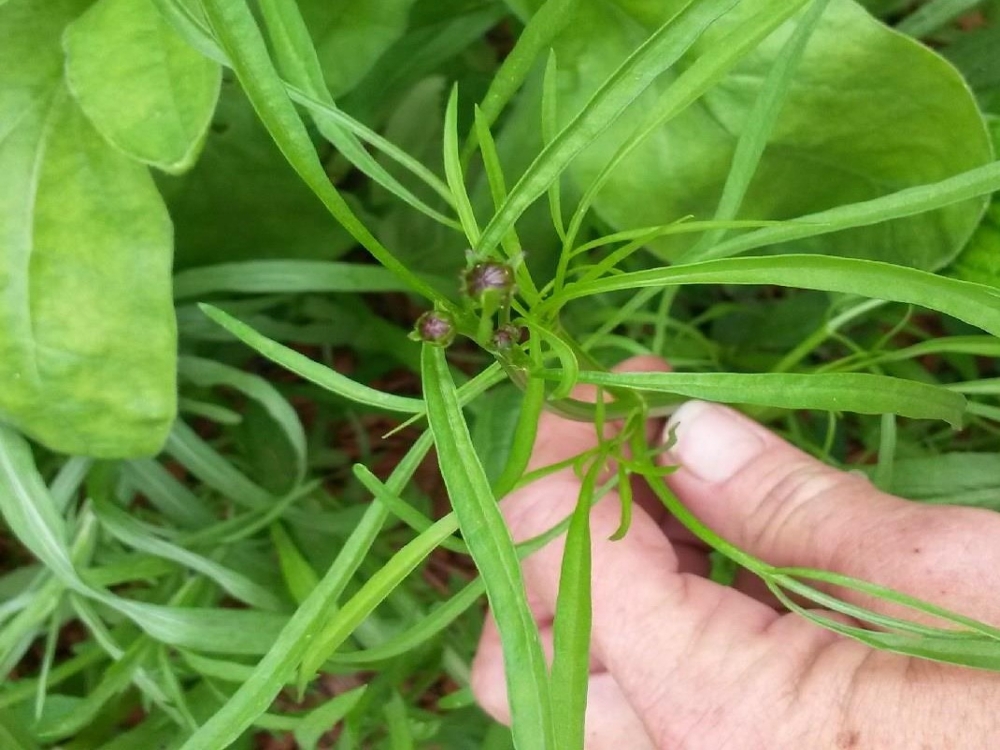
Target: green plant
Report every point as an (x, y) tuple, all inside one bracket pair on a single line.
[(635, 178)]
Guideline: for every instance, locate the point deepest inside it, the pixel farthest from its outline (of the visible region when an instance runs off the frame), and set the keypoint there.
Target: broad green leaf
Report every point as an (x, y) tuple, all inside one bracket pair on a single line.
[(87, 352), (857, 392), (236, 202), (904, 118), (493, 551), (144, 88), (974, 53), (980, 261)]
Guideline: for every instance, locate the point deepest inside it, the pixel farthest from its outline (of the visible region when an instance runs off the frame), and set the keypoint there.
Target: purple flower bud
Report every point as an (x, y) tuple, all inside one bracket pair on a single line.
[(506, 337), (489, 278), (434, 327)]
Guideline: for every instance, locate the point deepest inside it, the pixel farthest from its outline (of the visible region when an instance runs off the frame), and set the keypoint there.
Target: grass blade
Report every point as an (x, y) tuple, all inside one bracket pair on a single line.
[(208, 373), (493, 551)]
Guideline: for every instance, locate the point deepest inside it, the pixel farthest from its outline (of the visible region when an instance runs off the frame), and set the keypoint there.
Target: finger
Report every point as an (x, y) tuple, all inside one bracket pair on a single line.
[(789, 509), (611, 723), (669, 639), (658, 631)]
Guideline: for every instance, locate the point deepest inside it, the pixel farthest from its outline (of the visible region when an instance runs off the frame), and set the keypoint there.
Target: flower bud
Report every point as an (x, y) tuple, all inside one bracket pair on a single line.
[(434, 327), (506, 337), (489, 279)]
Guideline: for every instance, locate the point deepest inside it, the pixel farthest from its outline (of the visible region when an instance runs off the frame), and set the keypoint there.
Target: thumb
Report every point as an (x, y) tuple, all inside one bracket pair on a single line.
[(789, 509)]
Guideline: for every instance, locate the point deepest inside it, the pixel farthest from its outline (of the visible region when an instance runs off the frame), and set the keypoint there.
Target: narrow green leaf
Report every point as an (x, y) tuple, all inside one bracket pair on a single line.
[(131, 533), (283, 276), (706, 71), (634, 76), (301, 67), (28, 508), (295, 640), (975, 304), (402, 509), (572, 624), (934, 14), (317, 722), (753, 140), (300, 578), (906, 202), (198, 457), (169, 496), (345, 621), (539, 33), (523, 441), (493, 551), (454, 172), (313, 371), (237, 33), (550, 126), (857, 392), (208, 373)]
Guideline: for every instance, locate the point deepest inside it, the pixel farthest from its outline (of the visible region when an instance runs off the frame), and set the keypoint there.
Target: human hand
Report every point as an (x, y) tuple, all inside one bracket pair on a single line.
[(678, 661)]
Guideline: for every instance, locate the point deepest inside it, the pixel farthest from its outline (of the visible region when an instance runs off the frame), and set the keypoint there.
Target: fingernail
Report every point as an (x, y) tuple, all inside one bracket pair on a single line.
[(712, 442)]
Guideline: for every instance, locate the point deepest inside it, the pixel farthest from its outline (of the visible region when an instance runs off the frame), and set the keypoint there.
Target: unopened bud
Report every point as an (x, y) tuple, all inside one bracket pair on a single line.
[(489, 279), (434, 327), (506, 337)]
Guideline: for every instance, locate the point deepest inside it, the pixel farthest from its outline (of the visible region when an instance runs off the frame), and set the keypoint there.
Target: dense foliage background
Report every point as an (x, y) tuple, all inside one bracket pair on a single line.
[(192, 554)]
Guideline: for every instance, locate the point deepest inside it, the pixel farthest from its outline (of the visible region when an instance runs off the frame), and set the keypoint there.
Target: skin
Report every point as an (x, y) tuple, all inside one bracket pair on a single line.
[(678, 661)]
